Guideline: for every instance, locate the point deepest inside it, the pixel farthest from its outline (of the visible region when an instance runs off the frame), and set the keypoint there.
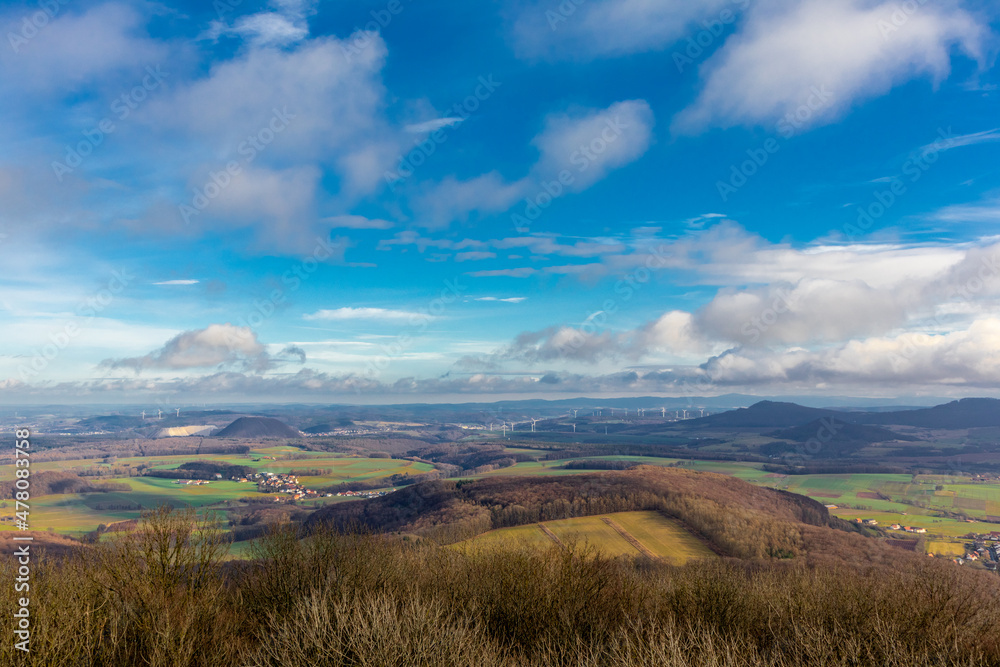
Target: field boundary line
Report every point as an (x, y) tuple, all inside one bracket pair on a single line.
[(548, 533), (643, 549)]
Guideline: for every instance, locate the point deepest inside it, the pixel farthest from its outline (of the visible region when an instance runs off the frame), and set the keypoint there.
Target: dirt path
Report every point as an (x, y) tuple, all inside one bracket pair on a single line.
[(552, 536), (631, 540)]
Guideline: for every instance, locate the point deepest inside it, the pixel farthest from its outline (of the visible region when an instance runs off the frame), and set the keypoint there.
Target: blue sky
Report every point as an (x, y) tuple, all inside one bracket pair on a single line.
[(393, 201)]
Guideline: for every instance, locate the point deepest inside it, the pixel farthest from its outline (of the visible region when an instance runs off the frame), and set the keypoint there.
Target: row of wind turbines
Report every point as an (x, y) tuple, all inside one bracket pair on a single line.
[(640, 412), (159, 414)]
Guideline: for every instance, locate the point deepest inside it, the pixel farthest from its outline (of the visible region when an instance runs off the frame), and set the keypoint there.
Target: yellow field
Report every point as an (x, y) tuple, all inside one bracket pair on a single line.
[(658, 534), (939, 548)]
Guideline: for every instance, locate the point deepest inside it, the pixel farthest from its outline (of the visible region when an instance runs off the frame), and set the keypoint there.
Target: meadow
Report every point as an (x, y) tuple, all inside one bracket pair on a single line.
[(662, 537), (79, 513)]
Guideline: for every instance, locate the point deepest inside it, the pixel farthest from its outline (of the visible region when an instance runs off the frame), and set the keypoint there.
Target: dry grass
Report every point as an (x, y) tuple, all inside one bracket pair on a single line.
[(161, 597)]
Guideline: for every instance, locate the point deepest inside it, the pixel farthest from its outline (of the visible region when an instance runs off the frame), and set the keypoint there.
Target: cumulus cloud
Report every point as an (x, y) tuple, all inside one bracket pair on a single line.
[(765, 321), (215, 346), (827, 56), (968, 357), (76, 49)]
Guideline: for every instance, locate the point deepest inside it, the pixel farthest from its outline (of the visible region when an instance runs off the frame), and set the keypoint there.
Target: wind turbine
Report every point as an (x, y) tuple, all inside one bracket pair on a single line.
[(144, 415), (178, 412), (533, 425), (663, 412), (503, 425), (574, 413), (159, 414), (574, 428)]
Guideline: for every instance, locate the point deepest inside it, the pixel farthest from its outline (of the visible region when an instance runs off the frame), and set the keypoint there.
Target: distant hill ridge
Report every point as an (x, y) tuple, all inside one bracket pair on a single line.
[(963, 413), (258, 427)]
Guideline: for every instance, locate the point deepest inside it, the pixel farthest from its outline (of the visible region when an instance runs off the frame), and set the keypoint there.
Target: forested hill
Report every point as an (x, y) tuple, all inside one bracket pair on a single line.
[(734, 517)]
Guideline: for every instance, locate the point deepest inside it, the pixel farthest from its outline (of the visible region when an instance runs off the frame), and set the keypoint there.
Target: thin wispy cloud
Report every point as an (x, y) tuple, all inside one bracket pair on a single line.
[(347, 314)]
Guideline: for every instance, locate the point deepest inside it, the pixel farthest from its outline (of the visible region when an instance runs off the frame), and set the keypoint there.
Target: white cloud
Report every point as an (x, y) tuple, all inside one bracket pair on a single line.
[(77, 49), (972, 139), (357, 222), (286, 24), (474, 256), (510, 299), (588, 144), (585, 30), (849, 51), (177, 282), (215, 346), (377, 314), (968, 357), (432, 125), (936, 294), (454, 199), (280, 204), (330, 105), (522, 272)]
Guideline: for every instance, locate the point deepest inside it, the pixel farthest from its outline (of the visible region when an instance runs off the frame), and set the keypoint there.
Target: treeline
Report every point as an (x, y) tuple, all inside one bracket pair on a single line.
[(599, 464), (161, 596), (835, 469), (310, 472), (55, 482), (203, 470)]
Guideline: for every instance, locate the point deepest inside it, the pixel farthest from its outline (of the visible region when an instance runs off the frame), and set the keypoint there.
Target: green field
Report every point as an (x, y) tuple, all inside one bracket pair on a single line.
[(660, 535), (76, 514)]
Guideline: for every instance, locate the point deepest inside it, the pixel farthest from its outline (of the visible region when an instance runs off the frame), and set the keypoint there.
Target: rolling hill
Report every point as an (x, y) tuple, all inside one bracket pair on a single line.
[(765, 414), (258, 427), (964, 413)]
